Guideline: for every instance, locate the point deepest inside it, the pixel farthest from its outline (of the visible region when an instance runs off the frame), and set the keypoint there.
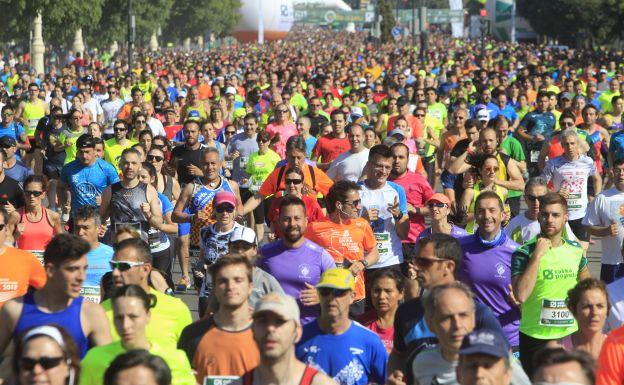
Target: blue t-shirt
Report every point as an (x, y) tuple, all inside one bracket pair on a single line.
[(19, 172), (509, 112), (87, 182), (310, 143), (355, 357), (98, 264), (165, 204), (15, 130)]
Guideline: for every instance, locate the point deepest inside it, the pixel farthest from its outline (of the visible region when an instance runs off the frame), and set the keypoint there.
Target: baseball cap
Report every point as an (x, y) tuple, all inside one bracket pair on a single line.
[(337, 278), (168, 109), (244, 234), (485, 341), (230, 91), (357, 112), (362, 82), (7, 142), (566, 95), (439, 197), (398, 131), (85, 141), (281, 304), (194, 115), (402, 101), (483, 115), (224, 197)]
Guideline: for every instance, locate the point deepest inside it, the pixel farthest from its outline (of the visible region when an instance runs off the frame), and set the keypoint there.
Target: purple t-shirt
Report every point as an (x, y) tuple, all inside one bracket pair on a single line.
[(456, 232), (487, 270), (294, 267)]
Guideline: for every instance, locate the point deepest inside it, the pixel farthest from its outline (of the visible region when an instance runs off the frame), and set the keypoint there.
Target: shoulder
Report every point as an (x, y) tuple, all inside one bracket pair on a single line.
[(396, 187), (569, 242)]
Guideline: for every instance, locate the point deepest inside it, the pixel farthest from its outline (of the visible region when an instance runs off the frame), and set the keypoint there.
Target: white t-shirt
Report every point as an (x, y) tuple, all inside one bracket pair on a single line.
[(616, 297), (522, 229), (95, 108), (156, 126), (572, 176), (607, 208), (111, 109), (388, 241), (348, 166)]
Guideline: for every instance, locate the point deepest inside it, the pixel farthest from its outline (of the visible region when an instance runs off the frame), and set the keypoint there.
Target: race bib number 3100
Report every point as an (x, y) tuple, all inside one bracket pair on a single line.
[(555, 313)]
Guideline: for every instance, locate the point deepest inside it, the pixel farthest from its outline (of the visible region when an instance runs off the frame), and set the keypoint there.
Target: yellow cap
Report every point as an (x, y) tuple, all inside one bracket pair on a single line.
[(337, 278)]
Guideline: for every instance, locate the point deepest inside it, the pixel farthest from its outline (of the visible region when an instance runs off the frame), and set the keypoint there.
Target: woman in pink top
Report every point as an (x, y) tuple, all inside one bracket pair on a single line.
[(281, 129)]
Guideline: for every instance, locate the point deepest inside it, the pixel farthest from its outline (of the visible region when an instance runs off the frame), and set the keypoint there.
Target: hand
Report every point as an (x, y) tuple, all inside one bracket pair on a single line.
[(396, 378), (564, 193), (102, 230), (194, 170), (614, 229), (542, 246), (271, 237), (234, 155), (309, 296), (468, 181), (411, 209), (356, 268), (394, 208), (512, 298), (146, 209), (98, 200), (9, 208), (370, 214), (438, 172)]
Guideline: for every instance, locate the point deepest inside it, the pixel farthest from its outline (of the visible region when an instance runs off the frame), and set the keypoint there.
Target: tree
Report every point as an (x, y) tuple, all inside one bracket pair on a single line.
[(149, 15), (190, 18), (387, 22), (61, 18)]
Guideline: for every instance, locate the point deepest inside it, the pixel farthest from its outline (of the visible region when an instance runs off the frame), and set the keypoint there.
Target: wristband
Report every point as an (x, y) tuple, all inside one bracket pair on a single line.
[(398, 217)]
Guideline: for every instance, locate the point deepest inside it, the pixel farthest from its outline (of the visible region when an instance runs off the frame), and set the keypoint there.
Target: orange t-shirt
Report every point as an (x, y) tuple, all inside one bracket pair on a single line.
[(413, 122), (19, 269), (611, 359), (449, 140), (205, 92), (125, 113), (321, 185), (344, 242)]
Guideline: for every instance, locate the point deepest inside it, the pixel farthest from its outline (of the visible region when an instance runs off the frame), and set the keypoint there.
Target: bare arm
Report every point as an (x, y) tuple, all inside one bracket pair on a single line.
[(402, 227), (583, 274), (253, 202), (155, 217), (98, 328), (104, 207), (178, 215), (597, 183), (459, 165), (62, 190), (541, 160), (524, 284), (515, 182)]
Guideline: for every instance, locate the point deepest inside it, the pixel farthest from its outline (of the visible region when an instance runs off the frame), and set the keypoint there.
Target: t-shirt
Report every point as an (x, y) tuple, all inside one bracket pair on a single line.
[(10, 191), (293, 268), (185, 157), (167, 320), (259, 166), (346, 243), (348, 166), (355, 357), (19, 269), (545, 314), (615, 319), (314, 212), (508, 111), (388, 241), (245, 146), (111, 108), (285, 131), (539, 123), (321, 183), (99, 358), (172, 130), (607, 208), (213, 351), (19, 172), (487, 270), (113, 150), (328, 148), (611, 359), (572, 176), (97, 265), (456, 232), (522, 229), (438, 111), (70, 137), (417, 191), (310, 143), (369, 320), (87, 182)]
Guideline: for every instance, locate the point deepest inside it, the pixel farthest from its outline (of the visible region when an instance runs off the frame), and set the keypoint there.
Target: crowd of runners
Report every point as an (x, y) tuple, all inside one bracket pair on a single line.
[(347, 213)]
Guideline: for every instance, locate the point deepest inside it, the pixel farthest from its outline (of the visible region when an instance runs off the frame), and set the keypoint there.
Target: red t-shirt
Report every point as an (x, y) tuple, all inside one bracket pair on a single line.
[(417, 191), (172, 130), (328, 148), (369, 320)]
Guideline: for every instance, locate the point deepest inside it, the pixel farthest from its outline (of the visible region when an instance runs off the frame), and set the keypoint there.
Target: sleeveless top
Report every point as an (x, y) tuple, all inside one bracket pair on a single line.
[(69, 318), (306, 379), (32, 113), (168, 190), (125, 206), (36, 235), (202, 202)]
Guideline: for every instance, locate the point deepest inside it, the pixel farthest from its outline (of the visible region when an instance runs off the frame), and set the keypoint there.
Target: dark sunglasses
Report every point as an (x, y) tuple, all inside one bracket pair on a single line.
[(426, 262), (124, 266), (437, 204), (225, 209), (7, 113), (354, 203), (420, 115), (533, 198), (120, 129), (326, 291), (141, 121), (46, 363), (33, 193), (293, 181), (230, 132), (156, 158)]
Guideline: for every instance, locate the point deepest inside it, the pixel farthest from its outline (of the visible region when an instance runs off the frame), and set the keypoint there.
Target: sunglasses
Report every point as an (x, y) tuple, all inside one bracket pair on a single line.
[(568, 124), (282, 111), (491, 169), (156, 158), (354, 203), (124, 265), (426, 262), (293, 181), (326, 291), (263, 141), (7, 114), (141, 121), (46, 363), (230, 132), (420, 115), (315, 105), (120, 129), (29, 193), (225, 209), (533, 198), (437, 204)]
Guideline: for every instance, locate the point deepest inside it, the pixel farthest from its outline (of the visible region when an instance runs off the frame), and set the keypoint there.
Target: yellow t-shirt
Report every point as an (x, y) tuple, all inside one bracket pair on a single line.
[(113, 150)]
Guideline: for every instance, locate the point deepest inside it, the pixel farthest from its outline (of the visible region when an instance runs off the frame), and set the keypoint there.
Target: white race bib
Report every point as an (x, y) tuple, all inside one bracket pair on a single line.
[(223, 380), (555, 313), (91, 293), (534, 156)]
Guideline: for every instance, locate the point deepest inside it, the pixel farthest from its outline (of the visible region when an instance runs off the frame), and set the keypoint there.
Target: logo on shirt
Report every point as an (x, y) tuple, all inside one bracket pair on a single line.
[(500, 270), (304, 271), (356, 351), (350, 374)]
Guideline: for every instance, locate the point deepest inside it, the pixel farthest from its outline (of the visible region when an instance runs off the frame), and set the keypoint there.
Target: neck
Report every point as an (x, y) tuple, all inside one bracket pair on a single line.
[(129, 183), (233, 319), (399, 175), (386, 319), (139, 343), (33, 209), (295, 244), (95, 244), (221, 227), (52, 299), (337, 217), (193, 146), (451, 355), (442, 227), (571, 157), (335, 326), (122, 141), (589, 337), (489, 236), (556, 239), (530, 215), (374, 184), (278, 371)]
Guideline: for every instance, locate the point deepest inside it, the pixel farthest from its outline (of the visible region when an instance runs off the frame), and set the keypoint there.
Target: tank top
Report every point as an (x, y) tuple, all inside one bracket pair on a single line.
[(125, 206), (33, 112), (36, 235), (202, 202), (168, 190), (306, 379), (69, 318)]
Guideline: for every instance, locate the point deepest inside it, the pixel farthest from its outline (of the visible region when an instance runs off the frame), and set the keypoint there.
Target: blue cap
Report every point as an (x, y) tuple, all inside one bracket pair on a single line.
[(485, 341), (194, 115)]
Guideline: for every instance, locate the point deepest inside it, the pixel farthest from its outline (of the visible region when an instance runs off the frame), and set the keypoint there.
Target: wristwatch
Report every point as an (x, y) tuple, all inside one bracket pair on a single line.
[(364, 262)]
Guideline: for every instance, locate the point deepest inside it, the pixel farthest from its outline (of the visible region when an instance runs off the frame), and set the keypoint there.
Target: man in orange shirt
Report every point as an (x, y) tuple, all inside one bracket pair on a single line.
[(347, 237), (412, 121), (19, 269), (125, 113)]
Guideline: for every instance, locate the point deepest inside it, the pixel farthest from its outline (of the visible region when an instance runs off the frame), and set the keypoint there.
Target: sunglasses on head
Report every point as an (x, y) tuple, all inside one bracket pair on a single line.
[(156, 158), (32, 193), (326, 291), (426, 262), (26, 363), (225, 208), (293, 181), (124, 265)]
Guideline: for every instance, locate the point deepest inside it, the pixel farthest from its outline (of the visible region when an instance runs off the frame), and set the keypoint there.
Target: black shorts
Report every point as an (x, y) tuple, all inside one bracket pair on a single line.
[(579, 230), (52, 170), (258, 212)]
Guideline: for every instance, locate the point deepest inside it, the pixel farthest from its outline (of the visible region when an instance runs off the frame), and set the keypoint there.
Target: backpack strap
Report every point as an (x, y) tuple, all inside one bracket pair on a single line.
[(312, 175), (280, 175)]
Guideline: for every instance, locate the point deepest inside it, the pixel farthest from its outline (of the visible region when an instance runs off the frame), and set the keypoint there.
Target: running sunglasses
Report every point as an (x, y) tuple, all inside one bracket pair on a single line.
[(124, 265), (426, 262), (225, 209), (33, 193), (46, 363), (437, 204), (326, 291), (157, 158), (293, 181)]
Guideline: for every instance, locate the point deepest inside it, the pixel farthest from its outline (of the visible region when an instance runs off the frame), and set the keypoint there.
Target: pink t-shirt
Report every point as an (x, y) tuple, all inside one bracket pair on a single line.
[(285, 131), (417, 190), (369, 321)]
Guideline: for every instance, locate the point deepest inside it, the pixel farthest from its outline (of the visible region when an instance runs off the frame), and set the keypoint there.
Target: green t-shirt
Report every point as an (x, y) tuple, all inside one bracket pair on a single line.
[(70, 137), (168, 318), (544, 313), (99, 358), (113, 150), (512, 147), (438, 111), (437, 126), (260, 166)]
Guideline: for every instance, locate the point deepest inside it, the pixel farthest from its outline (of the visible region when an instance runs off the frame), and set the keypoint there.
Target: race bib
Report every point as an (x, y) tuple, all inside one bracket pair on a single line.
[(534, 156), (90, 293), (555, 313), (38, 254), (574, 201), (243, 161), (254, 184), (223, 380)]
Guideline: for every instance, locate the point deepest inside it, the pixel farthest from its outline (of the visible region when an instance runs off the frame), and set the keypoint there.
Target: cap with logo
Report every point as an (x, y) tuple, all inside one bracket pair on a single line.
[(485, 341), (283, 305), (337, 278), (194, 115), (397, 132), (230, 91), (244, 234), (483, 115)]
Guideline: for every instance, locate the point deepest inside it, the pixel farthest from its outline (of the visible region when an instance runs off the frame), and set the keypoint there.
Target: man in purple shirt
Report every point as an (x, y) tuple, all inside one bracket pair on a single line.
[(297, 263), (486, 264)]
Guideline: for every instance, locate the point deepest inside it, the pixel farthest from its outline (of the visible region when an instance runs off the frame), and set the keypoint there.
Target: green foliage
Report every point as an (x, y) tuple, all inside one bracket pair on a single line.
[(388, 21), (149, 15), (190, 18)]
